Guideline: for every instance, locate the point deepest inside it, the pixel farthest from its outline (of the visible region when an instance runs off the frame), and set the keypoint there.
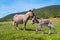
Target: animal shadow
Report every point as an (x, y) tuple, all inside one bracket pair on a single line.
[(50, 33), (28, 29)]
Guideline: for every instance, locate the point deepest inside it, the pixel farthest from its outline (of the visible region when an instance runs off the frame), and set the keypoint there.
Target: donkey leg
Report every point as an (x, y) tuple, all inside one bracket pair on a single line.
[(42, 29), (39, 27), (51, 27), (24, 25), (17, 26), (54, 30), (13, 25)]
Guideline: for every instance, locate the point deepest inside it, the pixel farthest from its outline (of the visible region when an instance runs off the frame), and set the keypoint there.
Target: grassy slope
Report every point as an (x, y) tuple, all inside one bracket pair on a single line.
[(6, 32)]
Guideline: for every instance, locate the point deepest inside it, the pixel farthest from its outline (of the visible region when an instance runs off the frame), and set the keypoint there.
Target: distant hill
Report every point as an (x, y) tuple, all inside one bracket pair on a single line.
[(49, 11), (10, 16), (45, 12)]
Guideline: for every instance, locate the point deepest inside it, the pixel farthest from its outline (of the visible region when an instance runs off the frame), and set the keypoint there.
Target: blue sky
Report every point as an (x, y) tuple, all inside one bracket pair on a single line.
[(11, 6)]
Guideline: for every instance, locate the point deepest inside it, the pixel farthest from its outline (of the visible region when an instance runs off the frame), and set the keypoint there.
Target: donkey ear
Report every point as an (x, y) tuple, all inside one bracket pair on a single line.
[(29, 10), (33, 9)]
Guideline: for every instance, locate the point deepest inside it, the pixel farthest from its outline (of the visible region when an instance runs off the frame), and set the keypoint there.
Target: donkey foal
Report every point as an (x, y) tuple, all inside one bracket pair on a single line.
[(43, 22)]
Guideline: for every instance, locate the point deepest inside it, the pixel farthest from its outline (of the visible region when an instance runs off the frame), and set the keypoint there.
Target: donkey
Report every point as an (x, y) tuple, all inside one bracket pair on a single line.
[(22, 19), (42, 22)]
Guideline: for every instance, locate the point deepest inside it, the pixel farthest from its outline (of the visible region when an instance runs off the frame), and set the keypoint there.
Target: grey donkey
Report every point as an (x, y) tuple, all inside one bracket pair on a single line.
[(22, 19), (42, 22)]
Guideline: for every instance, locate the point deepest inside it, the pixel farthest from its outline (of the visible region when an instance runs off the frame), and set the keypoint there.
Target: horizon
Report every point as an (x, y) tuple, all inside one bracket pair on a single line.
[(12, 6)]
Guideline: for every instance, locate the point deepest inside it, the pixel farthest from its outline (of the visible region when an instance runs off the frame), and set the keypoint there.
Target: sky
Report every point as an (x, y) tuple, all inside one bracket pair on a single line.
[(12, 6)]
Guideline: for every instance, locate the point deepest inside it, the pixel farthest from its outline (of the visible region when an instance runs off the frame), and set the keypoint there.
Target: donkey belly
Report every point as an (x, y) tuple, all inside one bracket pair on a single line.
[(19, 21)]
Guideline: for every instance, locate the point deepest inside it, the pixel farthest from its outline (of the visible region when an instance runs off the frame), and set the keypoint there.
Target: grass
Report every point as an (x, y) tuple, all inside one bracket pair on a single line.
[(7, 33)]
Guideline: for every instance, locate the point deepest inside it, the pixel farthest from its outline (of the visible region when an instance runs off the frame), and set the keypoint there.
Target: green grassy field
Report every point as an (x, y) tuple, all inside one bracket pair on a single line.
[(7, 32)]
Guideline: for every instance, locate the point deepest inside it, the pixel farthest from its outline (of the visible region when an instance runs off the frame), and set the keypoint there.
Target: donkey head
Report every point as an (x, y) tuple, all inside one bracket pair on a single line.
[(31, 14), (35, 20)]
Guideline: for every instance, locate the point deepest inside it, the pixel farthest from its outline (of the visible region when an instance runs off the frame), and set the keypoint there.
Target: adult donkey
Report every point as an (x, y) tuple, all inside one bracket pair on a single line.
[(43, 22), (22, 18)]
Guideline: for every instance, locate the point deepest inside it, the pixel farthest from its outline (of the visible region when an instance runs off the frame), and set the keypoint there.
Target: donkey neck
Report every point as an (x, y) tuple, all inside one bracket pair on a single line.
[(28, 14), (37, 20)]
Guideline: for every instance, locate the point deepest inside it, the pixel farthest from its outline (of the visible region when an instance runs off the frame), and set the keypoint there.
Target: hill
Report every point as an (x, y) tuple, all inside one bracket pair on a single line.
[(45, 12), (49, 11)]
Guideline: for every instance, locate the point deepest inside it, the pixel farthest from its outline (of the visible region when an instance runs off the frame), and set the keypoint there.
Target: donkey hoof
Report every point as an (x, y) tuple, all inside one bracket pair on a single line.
[(43, 32), (24, 29), (49, 33), (17, 28)]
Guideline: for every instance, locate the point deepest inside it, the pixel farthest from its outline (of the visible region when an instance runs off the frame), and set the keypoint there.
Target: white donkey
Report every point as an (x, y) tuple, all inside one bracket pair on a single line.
[(22, 18), (43, 22)]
